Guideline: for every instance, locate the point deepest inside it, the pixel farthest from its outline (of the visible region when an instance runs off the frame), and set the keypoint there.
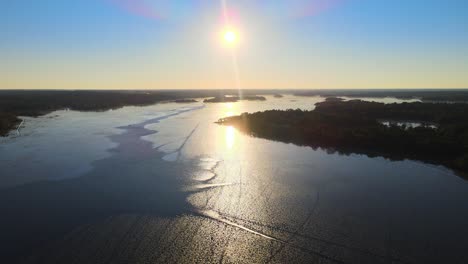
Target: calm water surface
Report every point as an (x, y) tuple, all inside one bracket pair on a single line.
[(165, 184)]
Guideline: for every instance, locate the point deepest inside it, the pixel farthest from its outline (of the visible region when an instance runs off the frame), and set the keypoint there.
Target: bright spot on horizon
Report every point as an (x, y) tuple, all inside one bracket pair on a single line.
[(230, 36)]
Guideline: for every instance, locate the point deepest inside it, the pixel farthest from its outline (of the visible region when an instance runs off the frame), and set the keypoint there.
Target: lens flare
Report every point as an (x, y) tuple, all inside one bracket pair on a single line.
[(137, 7), (298, 9), (316, 7), (158, 9)]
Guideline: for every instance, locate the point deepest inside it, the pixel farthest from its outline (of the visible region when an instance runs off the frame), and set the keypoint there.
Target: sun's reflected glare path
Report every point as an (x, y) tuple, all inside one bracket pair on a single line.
[(230, 132), (230, 137), (230, 110)]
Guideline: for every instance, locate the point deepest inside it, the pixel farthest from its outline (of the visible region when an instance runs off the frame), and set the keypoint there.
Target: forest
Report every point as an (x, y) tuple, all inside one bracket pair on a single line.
[(355, 127)]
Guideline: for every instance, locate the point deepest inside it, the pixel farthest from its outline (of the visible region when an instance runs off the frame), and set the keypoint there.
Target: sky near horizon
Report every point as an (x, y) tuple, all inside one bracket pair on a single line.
[(172, 44)]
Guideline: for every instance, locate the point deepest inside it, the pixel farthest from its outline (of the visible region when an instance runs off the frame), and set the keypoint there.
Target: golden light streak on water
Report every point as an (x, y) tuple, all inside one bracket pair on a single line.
[(230, 136)]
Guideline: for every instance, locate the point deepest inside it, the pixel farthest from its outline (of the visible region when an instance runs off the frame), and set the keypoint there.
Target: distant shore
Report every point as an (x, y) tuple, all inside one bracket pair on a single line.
[(425, 95), (33, 103)]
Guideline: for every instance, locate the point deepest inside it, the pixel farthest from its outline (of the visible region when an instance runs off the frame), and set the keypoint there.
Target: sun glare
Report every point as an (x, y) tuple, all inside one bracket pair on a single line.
[(230, 36)]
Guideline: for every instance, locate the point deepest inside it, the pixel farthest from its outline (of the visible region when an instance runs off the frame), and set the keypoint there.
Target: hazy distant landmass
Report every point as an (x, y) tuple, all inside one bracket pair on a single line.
[(358, 127), (230, 99), (254, 98), (440, 95)]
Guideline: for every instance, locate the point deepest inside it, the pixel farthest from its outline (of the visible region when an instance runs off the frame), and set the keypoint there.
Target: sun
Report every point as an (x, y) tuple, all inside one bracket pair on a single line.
[(230, 36)]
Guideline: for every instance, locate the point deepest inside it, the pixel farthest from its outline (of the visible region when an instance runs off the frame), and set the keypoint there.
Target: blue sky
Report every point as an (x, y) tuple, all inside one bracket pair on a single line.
[(107, 44)]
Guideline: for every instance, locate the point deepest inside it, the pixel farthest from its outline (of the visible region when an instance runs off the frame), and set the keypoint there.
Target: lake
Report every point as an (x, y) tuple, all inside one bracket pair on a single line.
[(165, 184)]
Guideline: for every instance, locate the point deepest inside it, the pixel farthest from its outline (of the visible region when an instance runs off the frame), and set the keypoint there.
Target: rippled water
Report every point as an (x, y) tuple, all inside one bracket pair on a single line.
[(164, 183), (408, 124)]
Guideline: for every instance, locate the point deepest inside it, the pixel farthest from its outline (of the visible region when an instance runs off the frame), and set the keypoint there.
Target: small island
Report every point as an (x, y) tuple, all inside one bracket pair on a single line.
[(183, 101), (254, 98), (222, 99), (356, 127)]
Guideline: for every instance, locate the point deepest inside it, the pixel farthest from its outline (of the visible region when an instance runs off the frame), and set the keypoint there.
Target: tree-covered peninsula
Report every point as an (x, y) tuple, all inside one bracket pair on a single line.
[(358, 127)]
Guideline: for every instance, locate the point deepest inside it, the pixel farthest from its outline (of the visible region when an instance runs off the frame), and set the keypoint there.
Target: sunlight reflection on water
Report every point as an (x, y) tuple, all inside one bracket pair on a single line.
[(230, 137)]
